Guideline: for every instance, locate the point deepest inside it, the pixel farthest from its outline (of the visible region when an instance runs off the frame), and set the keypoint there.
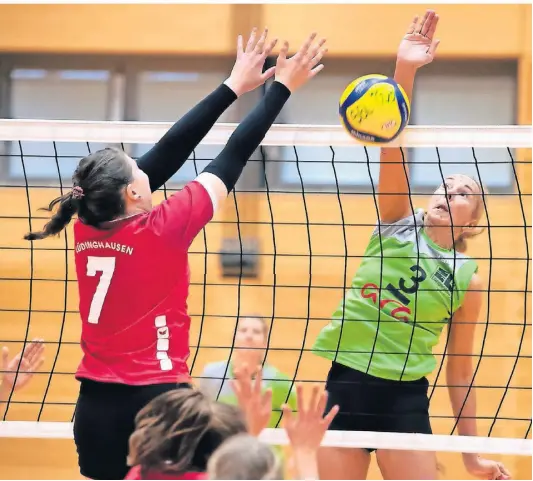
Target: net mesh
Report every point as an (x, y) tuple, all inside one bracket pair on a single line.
[(309, 215)]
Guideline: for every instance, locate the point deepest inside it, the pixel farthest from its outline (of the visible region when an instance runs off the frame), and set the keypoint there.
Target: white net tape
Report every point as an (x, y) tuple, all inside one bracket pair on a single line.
[(278, 135), (346, 439)]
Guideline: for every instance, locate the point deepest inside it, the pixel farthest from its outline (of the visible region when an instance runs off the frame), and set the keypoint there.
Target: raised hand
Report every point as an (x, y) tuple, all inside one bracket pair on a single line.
[(305, 64), (247, 73), (306, 430), (418, 47), (255, 404), (32, 359)]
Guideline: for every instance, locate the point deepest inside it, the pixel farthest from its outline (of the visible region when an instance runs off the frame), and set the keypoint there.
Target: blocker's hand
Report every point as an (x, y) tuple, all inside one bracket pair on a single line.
[(247, 73), (295, 71), (418, 47)]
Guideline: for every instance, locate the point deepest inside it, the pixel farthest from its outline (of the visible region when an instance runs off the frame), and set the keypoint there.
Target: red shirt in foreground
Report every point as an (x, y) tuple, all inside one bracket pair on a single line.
[(135, 473), (133, 282)]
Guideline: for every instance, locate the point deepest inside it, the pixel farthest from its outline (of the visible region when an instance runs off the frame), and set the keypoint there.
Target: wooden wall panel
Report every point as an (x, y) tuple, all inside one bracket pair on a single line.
[(117, 29), (353, 30), (374, 30), (500, 331)]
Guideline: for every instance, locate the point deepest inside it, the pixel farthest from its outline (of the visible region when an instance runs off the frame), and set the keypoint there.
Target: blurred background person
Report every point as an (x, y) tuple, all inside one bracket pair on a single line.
[(251, 341)]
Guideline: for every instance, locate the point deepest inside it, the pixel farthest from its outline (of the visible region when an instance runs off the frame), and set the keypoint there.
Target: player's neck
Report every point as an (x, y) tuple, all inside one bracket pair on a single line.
[(134, 209), (131, 212), (442, 236)]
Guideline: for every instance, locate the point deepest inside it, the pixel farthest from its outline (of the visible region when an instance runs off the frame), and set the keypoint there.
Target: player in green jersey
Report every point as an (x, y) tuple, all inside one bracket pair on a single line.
[(250, 344), (414, 280)]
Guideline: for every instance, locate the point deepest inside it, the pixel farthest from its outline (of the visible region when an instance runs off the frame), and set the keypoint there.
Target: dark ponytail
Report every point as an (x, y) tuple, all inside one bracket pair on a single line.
[(68, 206), (97, 196)]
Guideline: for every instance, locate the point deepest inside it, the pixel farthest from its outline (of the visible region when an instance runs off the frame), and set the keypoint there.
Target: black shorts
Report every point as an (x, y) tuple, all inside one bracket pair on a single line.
[(368, 403), (104, 421)]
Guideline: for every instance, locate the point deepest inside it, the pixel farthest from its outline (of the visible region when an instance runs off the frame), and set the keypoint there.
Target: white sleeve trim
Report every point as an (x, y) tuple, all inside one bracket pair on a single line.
[(215, 188)]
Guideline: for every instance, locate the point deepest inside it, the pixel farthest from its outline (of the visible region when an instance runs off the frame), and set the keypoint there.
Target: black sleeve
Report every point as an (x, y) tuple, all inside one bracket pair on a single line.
[(248, 135), (165, 158)]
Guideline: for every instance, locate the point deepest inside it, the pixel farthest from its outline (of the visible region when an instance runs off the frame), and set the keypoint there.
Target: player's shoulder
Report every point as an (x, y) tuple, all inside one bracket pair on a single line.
[(476, 283), (402, 229), (134, 473), (186, 196), (216, 369), (178, 207), (272, 373)]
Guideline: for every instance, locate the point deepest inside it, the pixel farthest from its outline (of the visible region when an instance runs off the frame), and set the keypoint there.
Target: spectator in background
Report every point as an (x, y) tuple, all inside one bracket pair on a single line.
[(18, 372), (259, 461), (250, 344)]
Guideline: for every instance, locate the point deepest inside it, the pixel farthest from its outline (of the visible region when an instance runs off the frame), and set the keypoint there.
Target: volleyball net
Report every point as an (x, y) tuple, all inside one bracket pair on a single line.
[(285, 246)]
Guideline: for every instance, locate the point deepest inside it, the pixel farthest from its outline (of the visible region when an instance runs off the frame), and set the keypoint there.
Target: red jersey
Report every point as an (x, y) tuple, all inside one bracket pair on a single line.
[(133, 281), (135, 473)]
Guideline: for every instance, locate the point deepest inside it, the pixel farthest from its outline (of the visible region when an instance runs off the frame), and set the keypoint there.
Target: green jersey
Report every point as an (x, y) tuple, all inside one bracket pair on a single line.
[(403, 294), (215, 382)]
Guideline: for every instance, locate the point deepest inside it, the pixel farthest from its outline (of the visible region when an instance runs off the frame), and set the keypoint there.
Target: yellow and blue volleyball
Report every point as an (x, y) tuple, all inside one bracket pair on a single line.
[(374, 109)]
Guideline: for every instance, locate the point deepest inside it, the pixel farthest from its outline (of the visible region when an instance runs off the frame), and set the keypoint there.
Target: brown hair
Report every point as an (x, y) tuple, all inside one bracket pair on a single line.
[(460, 244), (257, 317), (244, 457), (97, 197), (179, 430)]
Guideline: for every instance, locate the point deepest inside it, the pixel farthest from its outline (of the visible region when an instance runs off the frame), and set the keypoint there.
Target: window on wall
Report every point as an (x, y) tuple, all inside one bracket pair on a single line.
[(167, 95), (68, 94), (461, 93)]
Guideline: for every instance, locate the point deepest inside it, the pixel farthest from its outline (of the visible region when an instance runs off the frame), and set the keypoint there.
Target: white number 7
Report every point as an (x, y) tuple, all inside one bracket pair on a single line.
[(105, 265)]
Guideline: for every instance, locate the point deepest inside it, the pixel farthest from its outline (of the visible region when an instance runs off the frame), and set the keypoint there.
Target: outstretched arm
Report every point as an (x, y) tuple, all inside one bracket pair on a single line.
[(166, 157), (416, 49), (221, 175), (460, 378), (189, 210)]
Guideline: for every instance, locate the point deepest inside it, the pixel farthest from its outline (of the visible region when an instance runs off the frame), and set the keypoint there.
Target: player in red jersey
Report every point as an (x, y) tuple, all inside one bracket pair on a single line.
[(131, 259)]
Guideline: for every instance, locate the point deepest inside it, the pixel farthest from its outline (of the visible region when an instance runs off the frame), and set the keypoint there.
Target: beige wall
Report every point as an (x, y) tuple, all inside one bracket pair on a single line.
[(491, 31)]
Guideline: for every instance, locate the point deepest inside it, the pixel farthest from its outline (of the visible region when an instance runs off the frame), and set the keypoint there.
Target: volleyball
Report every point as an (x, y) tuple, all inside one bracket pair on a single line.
[(374, 109)]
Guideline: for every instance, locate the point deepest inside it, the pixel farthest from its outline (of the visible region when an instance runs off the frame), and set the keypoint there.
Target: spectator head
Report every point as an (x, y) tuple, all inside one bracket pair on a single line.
[(178, 431), (251, 339), (244, 457)]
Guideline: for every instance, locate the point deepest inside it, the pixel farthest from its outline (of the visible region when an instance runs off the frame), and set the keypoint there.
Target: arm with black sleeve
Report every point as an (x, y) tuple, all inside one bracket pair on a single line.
[(220, 176), (186, 212), (166, 157)]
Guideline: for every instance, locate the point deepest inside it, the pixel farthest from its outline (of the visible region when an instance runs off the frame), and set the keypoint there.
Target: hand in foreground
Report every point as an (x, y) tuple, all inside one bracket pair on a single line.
[(295, 71), (485, 468), (247, 73), (256, 405), (306, 430), (32, 359), (418, 47)]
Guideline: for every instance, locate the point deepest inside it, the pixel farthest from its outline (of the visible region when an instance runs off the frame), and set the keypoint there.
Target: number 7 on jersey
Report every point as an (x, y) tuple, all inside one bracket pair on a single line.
[(105, 265)]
